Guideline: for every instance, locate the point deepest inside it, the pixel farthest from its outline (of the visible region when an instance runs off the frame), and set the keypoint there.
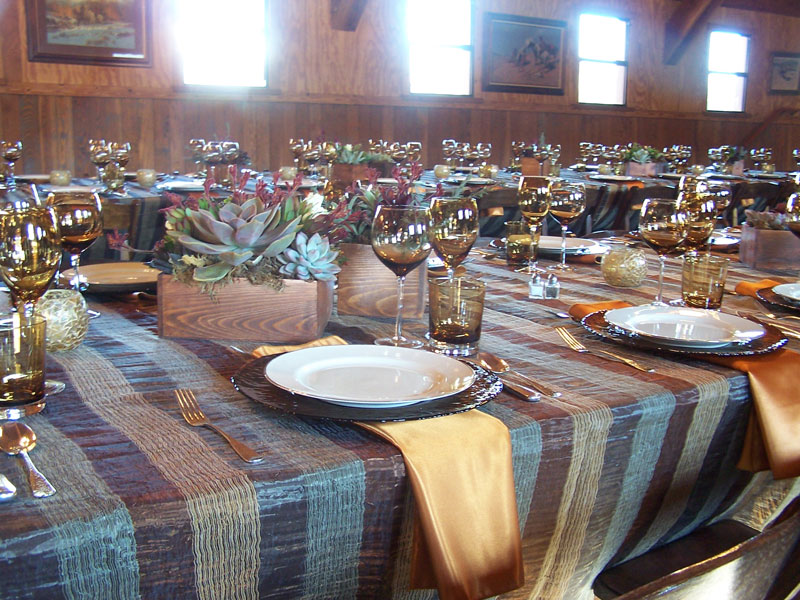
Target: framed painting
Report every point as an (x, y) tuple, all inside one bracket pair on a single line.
[(89, 31), (784, 73), (523, 54)]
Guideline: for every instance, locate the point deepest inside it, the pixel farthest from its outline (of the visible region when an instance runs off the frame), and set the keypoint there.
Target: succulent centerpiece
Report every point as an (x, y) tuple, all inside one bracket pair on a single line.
[(641, 160), (247, 265), (265, 237)]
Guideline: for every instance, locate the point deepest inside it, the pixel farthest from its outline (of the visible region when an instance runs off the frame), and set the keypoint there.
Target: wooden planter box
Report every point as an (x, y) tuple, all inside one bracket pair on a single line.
[(242, 311), (368, 288), (531, 166), (769, 249), (344, 174)]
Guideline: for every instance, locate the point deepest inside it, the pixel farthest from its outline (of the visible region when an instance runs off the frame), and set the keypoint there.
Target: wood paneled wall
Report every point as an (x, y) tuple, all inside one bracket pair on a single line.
[(351, 86)]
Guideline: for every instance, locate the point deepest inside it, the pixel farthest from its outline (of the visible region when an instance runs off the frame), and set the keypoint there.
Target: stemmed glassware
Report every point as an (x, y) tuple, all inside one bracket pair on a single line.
[(400, 239), (312, 153), (533, 198), (663, 225), (449, 147), (701, 212), (297, 147), (30, 252), (567, 203), (11, 152), (80, 219), (196, 146), (454, 229)]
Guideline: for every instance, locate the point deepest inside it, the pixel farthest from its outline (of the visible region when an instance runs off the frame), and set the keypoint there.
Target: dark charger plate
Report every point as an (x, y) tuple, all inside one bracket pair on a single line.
[(770, 297), (769, 342), (251, 381)]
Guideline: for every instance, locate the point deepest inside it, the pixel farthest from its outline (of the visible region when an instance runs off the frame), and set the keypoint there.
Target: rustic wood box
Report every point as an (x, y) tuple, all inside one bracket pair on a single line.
[(532, 166), (769, 249), (367, 288), (242, 311)]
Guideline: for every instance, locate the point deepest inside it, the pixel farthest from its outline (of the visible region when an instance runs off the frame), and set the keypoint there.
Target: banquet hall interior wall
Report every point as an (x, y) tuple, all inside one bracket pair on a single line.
[(352, 86)]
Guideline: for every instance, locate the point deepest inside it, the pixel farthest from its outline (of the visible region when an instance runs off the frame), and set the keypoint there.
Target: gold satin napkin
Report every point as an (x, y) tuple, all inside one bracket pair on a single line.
[(749, 288), (331, 340), (772, 439), (466, 531)]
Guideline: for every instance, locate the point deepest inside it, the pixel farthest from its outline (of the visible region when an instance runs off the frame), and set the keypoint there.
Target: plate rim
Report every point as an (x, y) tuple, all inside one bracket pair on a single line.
[(790, 298), (685, 343), (338, 399), (773, 299), (596, 323), (250, 382)]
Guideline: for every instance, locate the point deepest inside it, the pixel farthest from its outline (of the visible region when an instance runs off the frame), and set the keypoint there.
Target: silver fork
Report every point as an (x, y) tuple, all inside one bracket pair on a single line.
[(195, 417), (573, 343)]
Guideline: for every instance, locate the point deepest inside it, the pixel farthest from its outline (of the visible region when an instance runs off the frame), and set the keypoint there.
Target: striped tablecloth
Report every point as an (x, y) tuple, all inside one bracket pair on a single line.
[(148, 507)]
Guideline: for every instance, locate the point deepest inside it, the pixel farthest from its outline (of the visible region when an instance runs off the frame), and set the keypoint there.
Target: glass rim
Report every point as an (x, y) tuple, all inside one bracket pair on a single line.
[(462, 279), (7, 321)]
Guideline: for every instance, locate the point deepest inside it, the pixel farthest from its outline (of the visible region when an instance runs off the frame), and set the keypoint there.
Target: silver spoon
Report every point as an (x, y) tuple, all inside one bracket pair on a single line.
[(18, 438), (7, 489), (499, 365)]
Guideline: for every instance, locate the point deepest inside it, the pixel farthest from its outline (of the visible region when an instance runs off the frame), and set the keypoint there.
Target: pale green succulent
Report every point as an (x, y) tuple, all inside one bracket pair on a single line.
[(234, 234), (309, 258)]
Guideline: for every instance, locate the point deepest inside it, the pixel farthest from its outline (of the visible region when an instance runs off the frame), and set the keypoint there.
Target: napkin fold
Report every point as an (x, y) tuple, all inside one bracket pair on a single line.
[(466, 531), (749, 288), (772, 438)]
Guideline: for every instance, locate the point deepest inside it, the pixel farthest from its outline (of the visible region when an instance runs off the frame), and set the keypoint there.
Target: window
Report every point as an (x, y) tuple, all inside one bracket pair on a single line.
[(727, 71), (440, 46), (223, 44), (602, 65)]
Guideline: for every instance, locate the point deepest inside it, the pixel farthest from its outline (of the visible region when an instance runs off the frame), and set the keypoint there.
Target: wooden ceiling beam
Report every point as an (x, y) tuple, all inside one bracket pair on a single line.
[(345, 14), (687, 20), (790, 8)]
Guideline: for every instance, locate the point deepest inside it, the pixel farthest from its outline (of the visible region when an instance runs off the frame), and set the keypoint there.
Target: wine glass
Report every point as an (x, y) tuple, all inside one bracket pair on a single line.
[(100, 156), (11, 152), (449, 147), (196, 146), (533, 198), (29, 253), (454, 228), (297, 146), (567, 203), (701, 212), (80, 219), (662, 224), (400, 240)]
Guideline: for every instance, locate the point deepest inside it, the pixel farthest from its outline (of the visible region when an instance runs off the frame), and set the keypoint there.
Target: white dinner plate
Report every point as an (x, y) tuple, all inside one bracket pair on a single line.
[(305, 184), (117, 277), (367, 376), (62, 189), (724, 176), (599, 177), (585, 167), (182, 186), (387, 181), (720, 240), (551, 244), (470, 181), (675, 176), (762, 175), (685, 327), (33, 178), (790, 291)]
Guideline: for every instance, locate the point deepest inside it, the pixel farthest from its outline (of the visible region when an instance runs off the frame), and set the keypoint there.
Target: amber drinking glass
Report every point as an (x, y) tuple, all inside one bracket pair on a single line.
[(400, 239), (454, 229)]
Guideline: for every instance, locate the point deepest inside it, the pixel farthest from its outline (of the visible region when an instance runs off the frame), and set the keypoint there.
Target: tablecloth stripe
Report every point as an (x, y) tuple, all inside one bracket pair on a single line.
[(762, 500), (96, 558), (336, 484), (713, 396), (591, 421), (221, 500)]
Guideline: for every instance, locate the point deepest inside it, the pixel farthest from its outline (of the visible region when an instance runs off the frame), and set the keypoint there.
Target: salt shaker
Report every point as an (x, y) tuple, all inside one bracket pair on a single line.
[(536, 287), (552, 288)]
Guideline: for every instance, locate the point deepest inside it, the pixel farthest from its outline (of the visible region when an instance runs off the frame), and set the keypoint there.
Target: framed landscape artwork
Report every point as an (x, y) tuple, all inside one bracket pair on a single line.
[(110, 32), (523, 54), (784, 76)]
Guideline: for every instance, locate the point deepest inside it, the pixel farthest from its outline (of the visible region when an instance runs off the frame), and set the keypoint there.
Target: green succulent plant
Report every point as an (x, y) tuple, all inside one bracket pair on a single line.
[(234, 234), (309, 258)]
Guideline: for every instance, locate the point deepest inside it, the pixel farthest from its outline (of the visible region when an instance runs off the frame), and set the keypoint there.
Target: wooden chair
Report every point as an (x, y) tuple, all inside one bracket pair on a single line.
[(726, 560)]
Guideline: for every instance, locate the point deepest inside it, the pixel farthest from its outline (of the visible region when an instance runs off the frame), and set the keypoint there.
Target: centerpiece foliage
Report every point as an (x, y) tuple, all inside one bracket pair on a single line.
[(264, 237), (642, 154)]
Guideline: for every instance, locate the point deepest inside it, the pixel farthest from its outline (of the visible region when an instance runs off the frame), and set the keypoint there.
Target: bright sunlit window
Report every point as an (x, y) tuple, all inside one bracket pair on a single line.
[(440, 46), (223, 44), (602, 59), (727, 71)]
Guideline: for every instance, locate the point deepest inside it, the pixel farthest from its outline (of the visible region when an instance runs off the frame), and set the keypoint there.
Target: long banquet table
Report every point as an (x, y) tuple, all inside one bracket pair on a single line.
[(148, 507)]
